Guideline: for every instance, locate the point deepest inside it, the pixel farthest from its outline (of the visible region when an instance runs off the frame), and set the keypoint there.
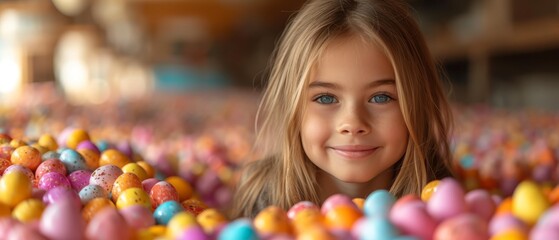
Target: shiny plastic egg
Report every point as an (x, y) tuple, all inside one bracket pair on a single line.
[(135, 169), (162, 192), (113, 157), (342, 217), (359, 202), (26, 156), (28, 210), (165, 211), (15, 187), (410, 215), (50, 165), (239, 229), (429, 189), (133, 196), (378, 203), (505, 222), (91, 192), (137, 216), (183, 188), (48, 141), (90, 157), (52, 180), (94, 206), (210, 219), (73, 160), (178, 222), (529, 202), (105, 176), (315, 232), (123, 182), (75, 137), (272, 220)]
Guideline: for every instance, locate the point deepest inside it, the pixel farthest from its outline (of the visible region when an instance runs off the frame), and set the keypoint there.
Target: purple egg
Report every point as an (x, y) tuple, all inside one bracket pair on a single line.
[(208, 183), (86, 144), (79, 179), (61, 194), (125, 148), (52, 180)]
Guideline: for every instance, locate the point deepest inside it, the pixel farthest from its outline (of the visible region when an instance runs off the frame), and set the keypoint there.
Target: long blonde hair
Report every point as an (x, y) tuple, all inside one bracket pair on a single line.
[(286, 176)]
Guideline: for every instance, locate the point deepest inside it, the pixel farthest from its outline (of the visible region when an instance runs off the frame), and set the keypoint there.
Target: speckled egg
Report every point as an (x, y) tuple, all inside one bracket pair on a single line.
[(133, 196), (91, 192), (50, 165), (4, 163), (22, 169), (135, 169), (162, 192), (105, 176), (123, 182), (26, 156), (79, 179), (52, 180), (194, 206), (73, 160)]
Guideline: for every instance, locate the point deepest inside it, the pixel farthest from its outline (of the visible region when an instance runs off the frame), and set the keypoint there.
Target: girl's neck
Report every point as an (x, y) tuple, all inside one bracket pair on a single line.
[(329, 185)]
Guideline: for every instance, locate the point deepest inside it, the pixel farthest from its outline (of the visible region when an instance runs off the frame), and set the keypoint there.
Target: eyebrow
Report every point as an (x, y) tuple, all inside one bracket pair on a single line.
[(377, 83)]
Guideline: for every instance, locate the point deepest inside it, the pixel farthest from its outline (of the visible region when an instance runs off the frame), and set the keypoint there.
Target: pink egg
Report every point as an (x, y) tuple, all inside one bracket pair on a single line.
[(108, 224), (448, 201), (336, 200), (138, 216), (50, 165), (148, 184), (544, 234), (504, 222), (550, 218), (79, 179), (412, 218), (53, 180), (62, 194), (86, 144), (465, 226), (105, 176), (292, 212), (24, 231), (62, 220), (193, 232), (162, 192), (479, 201), (7, 224)]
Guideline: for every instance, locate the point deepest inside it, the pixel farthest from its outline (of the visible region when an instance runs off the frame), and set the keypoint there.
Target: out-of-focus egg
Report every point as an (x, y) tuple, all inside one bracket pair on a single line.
[(4, 210), (108, 224), (90, 192), (465, 226), (50, 165), (239, 229), (342, 217), (150, 172), (378, 203), (62, 220), (184, 189), (94, 206), (162, 192), (378, 227), (149, 183), (412, 218), (306, 218), (511, 234), (211, 219), (193, 232), (4, 164), (113, 157), (137, 216), (15, 187), (336, 200), (136, 170), (89, 145), (75, 137), (105, 176), (359, 202), (295, 209), (479, 201), (165, 211), (448, 201), (133, 196), (194, 206), (48, 141), (272, 220), (28, 210), (429, 189), (22, 169), (178, 222), (529, 202), (62, 193), (315, 232), (90, 157), (505, 222), (26, 156), (123, 182)]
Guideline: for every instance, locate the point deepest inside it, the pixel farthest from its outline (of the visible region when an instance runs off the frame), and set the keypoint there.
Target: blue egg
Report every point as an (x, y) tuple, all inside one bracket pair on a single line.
[(90, 192), (103, 145), (61, 149), (50, 155), (165, 211), (238, 229), (73, 160), (378, 203), (377, 228)]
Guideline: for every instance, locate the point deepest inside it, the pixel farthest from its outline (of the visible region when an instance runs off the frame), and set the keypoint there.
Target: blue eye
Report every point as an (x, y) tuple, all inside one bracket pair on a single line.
[(381, 98), (325, 99)]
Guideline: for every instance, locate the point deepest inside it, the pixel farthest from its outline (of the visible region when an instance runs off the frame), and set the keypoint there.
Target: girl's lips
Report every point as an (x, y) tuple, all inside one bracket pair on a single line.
[(354, 151)]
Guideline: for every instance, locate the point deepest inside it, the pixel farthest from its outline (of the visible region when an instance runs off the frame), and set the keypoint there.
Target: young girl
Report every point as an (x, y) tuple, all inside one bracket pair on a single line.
[(353, 104)]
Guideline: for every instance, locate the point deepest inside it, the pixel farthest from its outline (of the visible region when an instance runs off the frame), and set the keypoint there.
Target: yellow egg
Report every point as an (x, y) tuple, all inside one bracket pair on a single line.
[(75, 137), (272, 220), (136, 170), (15, 187), (184, 189), (210, 219), (133, 196), (4, 210), (145, 234), (157, 231), (94, 206), (148, 168), (315, 232), (123, 182), (26, 156), (512, 234), (30, 209), (429, 189), (114, 157), (178, 223), (15, 143), (529, 202), (42, 150), (48, 141)]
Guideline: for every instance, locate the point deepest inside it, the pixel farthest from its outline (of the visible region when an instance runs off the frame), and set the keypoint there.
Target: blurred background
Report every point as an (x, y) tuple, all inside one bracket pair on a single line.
[(176, 76)]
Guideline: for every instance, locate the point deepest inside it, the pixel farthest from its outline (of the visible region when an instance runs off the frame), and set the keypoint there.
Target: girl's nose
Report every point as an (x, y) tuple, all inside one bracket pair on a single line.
[(354, 122)]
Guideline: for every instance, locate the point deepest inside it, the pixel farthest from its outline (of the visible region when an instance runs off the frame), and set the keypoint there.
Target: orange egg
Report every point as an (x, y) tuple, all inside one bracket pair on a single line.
[(193, 206), (91, 158), (210, 219), (272, 220), (136, 170), (114, 157), (359, 202), (429, 189), (123, 182), (342, 217), (27, 156), (505, 206), (184, 189), (306, 218), (94, 206), (148, 168), (315, 232)]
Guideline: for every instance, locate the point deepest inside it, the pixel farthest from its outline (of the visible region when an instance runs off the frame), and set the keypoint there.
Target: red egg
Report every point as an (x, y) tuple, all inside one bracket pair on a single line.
[(162, 192)]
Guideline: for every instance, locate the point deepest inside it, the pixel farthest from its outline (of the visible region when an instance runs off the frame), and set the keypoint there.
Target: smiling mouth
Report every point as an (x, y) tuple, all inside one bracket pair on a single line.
[(354, 151)]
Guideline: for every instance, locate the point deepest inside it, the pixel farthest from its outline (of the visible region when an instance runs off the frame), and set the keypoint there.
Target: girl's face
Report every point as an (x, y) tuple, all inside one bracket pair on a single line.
[(353, 128)]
